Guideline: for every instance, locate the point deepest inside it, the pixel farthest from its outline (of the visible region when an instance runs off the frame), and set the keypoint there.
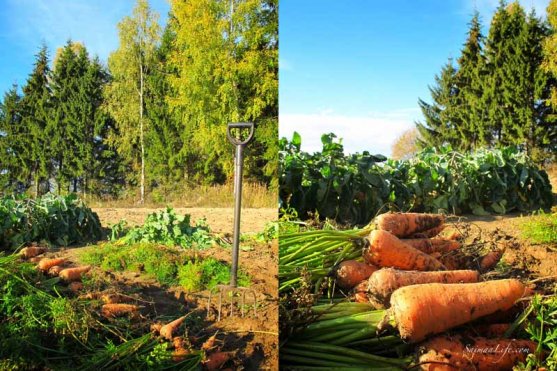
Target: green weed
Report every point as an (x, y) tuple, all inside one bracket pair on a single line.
[(167, 266), (541, 229), (207, 274), (541, 327)]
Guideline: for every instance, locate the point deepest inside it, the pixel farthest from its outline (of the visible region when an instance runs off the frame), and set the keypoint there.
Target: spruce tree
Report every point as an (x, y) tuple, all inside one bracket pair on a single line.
[(13, 172), (104, 173), (469, 109), (36, 113), (66, 127), (165, 155), (536, 85), (440, 125)]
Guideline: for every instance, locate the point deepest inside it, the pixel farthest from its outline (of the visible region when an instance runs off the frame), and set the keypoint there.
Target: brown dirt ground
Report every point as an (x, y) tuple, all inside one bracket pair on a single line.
[(527, 261), (253, 338), (221, 220)]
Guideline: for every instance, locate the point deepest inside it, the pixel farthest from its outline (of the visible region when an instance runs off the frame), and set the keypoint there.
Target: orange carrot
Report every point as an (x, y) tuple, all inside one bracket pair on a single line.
[(45, 264), (361, 287), (385, 250), (361, 297), (168, 329), (180, 354), (431, 308), (429, 233), (114, 298), (32, 251), (209, 343), (490, 260), (179, 342), (55, 271), (407, 224), (473, 354), (156, 327), (433, 245), (351, 272), (384, 282), (118, 310), (73, 274), (216, 360)]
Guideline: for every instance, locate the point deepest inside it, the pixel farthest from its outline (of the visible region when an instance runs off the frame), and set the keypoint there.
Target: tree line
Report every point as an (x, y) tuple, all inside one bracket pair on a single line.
[(499, 91), (156, 114)]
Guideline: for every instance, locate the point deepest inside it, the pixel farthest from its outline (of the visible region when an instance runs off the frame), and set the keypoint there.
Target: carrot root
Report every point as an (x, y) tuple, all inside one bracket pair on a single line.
[(167, 330), (384, 282), (427, 309), (351, 272), (386, 250), (407, 224), (118, 310), (73, 274)]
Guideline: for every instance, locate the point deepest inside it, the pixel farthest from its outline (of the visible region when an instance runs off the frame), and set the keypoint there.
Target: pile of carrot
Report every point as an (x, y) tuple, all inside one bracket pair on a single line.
[(407, 292)]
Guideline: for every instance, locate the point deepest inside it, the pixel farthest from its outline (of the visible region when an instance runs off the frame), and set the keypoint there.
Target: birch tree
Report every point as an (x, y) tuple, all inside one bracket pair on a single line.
[(130, 66)]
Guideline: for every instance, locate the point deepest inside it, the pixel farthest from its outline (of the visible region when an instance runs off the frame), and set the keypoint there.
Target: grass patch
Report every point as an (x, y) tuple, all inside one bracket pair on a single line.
[(254, 195), (195, 276), (541, 229), (167, 265)]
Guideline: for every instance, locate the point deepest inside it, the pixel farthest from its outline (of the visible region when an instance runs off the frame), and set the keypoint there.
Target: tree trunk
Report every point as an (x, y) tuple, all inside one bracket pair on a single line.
[(36, 185), (142, 187)]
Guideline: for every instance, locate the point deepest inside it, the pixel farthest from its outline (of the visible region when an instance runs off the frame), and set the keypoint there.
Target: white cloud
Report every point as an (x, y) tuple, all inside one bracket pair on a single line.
[(374, 132)]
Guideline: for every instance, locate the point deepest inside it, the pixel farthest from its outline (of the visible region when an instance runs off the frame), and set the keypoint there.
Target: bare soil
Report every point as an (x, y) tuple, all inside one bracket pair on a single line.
[(221, 220), (527, 260)]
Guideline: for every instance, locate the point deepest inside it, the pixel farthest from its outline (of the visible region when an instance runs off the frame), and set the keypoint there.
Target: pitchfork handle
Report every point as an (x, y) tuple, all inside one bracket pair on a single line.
[(240, 126), (238, 168)]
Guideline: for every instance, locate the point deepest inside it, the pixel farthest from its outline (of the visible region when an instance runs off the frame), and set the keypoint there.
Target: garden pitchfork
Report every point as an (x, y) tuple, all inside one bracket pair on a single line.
[(236, 135)]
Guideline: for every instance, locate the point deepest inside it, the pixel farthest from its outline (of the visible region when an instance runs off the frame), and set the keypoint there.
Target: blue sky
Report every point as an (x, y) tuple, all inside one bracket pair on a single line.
[(357, 68), (26, 24)]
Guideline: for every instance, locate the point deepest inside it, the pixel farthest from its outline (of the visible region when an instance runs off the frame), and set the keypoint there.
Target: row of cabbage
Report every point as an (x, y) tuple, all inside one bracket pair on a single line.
[(352, 188), (51, 219)]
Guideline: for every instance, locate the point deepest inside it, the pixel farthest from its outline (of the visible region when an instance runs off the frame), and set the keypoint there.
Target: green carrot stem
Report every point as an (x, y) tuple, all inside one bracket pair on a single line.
[(383, 340), (364, 317), (330, 335), (338, 358), (310, 361), (363, 333), (312, 247), (357, 355), (317, 251), (330, 308), (319, 244), (331, 259)]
